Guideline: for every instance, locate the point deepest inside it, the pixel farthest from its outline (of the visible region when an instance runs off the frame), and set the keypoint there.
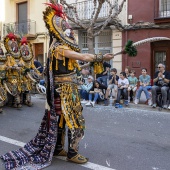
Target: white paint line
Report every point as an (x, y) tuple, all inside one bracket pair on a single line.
[(11, 141), (89, 165)]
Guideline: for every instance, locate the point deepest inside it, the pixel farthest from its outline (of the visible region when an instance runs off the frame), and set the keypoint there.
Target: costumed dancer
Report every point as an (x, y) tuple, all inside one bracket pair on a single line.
[(27, 64), (3, 92), (63, 105), (13, 81)]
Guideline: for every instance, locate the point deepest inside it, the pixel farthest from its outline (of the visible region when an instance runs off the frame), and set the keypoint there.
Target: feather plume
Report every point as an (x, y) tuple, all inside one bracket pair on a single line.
[(58, 9)]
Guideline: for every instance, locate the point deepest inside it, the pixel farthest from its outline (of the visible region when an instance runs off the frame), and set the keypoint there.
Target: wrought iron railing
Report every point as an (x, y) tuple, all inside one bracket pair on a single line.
[(85, 9), (162, 14), (24, 27)]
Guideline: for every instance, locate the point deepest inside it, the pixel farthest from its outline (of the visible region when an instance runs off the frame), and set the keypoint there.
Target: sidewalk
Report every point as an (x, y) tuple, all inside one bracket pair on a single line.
[(141, 105)]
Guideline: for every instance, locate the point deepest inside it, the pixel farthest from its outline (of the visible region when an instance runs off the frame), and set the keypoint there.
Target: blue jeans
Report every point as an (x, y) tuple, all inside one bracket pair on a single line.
[(96, 96), (102, 80), (123, 92), (84, 94), (145, 89)]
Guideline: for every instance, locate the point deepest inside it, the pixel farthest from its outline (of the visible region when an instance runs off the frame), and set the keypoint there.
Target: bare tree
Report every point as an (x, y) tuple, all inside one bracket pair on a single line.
[(93, 29)]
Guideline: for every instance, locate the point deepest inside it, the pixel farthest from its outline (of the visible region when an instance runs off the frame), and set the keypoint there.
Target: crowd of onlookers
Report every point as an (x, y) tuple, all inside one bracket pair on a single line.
[(126, 86)]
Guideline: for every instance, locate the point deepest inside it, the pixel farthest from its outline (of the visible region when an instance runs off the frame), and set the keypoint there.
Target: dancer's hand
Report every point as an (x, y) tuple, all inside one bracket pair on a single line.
[(108, 56)]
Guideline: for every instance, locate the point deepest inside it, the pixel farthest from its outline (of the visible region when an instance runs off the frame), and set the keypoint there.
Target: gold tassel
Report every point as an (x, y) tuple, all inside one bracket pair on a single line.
[(61, 121)]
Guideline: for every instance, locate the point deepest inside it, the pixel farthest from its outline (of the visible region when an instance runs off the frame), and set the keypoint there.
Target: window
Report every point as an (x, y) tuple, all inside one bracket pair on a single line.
[(22, 17), (164, 8)]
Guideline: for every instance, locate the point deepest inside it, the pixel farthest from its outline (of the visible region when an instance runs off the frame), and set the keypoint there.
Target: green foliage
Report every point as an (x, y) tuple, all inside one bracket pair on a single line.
[(130, 49)]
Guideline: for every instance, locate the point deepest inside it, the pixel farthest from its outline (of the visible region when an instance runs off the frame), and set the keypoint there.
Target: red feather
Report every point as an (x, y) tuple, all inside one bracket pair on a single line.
[(11, 36), (58, 9), (24, 40)]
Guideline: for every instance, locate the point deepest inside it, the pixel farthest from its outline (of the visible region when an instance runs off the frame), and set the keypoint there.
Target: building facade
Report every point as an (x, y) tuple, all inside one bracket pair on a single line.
[(146, 20), (110, 40), (25, 17)]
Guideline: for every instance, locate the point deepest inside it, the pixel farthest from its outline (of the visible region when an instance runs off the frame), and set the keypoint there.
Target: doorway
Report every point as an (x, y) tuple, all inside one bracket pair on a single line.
[(39, 52), (160, 54)]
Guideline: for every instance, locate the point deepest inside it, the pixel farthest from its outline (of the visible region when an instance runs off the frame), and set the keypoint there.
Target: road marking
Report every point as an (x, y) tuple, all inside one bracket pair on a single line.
[(89, 165)]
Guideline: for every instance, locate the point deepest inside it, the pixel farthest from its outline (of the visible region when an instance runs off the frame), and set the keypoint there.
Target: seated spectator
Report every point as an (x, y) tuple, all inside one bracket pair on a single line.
[(161, 81), (127, 71), (102, 78), (85, 88), (132, 84), (113, 81), (144, 80), (123, 84), (96, 93), (38, 65)]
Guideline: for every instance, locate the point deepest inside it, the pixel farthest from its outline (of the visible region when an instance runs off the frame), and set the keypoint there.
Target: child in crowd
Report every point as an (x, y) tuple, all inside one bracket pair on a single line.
[(132, 84), (123, 84), (85, 88), (144, 80), (96, 93), (113, 81)]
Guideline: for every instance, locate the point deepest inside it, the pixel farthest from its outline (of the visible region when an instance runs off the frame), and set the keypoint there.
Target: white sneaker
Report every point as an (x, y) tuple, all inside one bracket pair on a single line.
[(136, 101), (169, 107), (92, 104), (150, 102), (83, 101), (88, 104)]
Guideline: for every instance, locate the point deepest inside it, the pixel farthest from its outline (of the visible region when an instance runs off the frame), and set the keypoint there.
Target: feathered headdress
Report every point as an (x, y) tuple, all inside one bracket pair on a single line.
[(58, 9), (11, 36), (24, 40)]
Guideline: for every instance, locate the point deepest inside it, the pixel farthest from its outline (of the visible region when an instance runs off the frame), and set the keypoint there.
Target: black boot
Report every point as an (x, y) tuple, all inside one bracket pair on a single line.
[(59, 148)]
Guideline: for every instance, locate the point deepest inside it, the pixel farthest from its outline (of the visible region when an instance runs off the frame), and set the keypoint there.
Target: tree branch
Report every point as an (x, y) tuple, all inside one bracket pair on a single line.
[(111, 17), (97, 12), (74, 9)]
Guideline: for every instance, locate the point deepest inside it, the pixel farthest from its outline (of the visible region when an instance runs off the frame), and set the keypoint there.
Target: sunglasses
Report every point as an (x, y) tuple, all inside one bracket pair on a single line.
[(159, 67)]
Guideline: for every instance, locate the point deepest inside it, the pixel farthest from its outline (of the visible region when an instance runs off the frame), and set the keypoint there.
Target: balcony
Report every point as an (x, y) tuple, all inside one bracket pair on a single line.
[(26, 28), (85, 9)]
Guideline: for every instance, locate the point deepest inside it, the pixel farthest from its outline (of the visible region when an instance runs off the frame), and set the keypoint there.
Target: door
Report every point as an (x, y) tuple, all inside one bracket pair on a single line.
[(39, 52), (22, 18), (161, 54)]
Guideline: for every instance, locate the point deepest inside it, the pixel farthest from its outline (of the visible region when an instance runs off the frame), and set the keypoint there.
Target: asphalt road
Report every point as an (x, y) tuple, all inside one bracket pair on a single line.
[(133, 138)]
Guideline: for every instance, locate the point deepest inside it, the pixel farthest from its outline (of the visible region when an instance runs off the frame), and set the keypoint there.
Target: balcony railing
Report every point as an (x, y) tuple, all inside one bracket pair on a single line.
[(162, 14), (25, 27), (85, 9)]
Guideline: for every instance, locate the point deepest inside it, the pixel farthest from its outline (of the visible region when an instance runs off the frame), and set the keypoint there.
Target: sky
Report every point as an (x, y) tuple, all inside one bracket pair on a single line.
[(2, 9)]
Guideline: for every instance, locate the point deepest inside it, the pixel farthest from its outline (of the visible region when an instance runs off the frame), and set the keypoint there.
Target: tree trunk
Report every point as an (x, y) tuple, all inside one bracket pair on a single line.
[(90, 41)]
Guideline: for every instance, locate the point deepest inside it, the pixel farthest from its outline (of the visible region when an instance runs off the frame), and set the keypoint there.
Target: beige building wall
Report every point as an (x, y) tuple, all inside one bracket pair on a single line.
[(35, 13), (117, 39)]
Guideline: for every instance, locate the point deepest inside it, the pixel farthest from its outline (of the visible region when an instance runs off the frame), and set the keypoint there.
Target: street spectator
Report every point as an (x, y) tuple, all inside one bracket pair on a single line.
[(113, 81), (144, 80), (85, 88), (132, 84), (161, 82), (123, 84), (127, 71), (102, 78), (38, 65), (96, 93)]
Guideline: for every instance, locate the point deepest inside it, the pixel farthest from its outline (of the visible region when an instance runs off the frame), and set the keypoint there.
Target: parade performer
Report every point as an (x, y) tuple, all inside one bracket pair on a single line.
[(3, 92), (63, 103), (13, 82), (27, 64)]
